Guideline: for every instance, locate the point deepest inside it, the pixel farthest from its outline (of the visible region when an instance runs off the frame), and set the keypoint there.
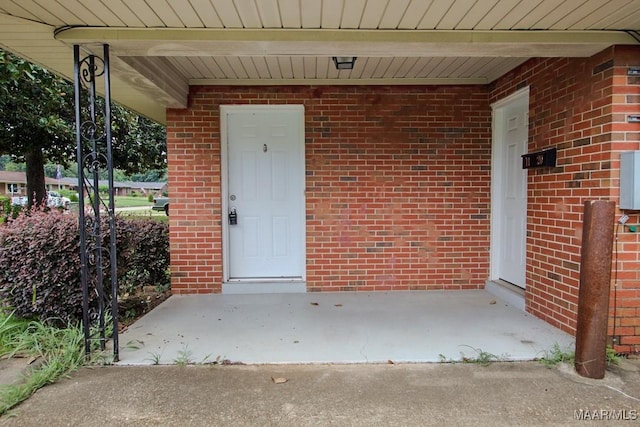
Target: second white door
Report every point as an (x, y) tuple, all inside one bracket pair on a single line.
[(512, 137)]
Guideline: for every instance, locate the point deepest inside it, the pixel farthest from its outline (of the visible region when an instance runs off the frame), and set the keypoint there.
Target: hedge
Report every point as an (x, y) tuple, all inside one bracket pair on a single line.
[(40, 258)]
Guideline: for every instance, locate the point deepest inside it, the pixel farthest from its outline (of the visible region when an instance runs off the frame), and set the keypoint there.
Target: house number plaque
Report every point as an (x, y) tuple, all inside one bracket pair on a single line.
[(546, 158)]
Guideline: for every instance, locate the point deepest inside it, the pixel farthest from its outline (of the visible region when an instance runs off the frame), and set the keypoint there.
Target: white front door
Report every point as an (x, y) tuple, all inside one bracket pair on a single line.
[(509, 213), (265, 190)]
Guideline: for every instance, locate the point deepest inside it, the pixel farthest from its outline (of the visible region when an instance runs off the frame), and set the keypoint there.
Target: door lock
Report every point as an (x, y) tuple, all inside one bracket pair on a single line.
[(233, 217)]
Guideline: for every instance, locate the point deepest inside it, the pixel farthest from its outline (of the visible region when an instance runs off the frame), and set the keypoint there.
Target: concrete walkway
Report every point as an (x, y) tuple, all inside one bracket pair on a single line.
[(337, 328), (501, 394)]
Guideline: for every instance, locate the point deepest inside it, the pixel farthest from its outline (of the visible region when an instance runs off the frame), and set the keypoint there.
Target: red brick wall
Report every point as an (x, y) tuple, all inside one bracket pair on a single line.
[(577, 106), (398, 183)]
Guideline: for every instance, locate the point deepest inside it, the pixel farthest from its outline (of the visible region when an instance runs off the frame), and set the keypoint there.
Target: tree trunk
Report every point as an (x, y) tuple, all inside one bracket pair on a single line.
[(36, 190)]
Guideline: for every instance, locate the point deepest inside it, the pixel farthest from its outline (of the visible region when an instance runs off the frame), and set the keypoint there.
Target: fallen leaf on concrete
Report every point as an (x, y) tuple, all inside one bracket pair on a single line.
[(338, 305), (492, 301), (279, 380), (314, 303)]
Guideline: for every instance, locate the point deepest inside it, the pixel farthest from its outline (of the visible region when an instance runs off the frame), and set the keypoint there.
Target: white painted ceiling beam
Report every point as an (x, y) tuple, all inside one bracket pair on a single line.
[(246, 42)]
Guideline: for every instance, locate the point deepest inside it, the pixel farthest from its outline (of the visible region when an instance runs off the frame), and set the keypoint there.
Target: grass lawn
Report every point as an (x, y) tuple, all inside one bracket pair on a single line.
[(130, 201), (127, 201)]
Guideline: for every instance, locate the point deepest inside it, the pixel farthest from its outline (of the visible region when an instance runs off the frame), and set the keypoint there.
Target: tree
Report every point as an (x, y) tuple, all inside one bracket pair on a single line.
[(37, 117)]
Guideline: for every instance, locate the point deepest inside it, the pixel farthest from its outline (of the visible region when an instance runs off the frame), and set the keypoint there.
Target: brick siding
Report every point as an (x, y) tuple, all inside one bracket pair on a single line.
[(398, 183), (578, 106), (397, 186)]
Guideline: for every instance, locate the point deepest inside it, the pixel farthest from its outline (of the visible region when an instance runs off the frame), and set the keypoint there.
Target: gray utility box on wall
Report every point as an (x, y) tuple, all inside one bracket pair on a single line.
[(630, 180)]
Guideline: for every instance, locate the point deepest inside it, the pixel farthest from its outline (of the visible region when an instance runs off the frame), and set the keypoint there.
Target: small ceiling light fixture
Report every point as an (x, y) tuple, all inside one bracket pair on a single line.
[(344, 62)]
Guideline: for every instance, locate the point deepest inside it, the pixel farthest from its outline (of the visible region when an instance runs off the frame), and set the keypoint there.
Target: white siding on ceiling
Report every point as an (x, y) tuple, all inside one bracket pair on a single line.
[(311, 12), (289, 13), (187, 15), (38, 13), (141, 10), (206, 13), (334, 14), (248, 14), (352, 14), (434, 14), (269, 13), (506, 19), (393, 14), (228, 14), (331, 13), (168, 16), (478, 11)]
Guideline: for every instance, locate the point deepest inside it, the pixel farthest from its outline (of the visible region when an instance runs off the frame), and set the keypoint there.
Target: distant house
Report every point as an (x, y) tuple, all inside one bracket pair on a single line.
[(146, 188), (15, 183)]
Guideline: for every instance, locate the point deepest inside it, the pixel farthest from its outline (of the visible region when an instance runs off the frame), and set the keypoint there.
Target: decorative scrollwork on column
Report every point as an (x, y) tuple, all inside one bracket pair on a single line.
[(97, 220)]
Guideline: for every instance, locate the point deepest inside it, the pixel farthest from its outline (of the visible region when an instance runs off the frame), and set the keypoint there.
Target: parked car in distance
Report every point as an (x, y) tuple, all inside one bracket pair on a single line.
[(57, 200), (19, 201), (161, 204), (54, 200)]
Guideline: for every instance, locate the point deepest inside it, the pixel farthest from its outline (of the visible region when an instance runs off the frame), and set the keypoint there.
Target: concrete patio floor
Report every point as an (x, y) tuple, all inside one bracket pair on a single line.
[(402, 327)]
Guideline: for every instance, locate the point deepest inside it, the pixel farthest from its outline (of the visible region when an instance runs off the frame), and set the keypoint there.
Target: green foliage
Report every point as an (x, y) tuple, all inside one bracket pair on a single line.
[(482, 357), (7, 210), (146, 253), (37, 121), (613, 358), (557, 355), (153, 175), (184, 357), (150, 198), (39, 253), (59, 350), (72, 195)]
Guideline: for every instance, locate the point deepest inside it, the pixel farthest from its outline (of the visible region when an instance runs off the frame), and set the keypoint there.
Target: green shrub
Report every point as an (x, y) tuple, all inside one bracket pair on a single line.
[(72, 195), (143, 251), (7, 210), (39, 252), (150, 198)]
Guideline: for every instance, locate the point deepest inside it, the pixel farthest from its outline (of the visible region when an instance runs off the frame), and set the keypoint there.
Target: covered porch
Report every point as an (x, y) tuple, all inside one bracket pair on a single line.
[(346, 327)]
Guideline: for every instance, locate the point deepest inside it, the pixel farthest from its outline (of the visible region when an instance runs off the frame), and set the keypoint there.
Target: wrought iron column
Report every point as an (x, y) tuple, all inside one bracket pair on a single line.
[(97, 247)]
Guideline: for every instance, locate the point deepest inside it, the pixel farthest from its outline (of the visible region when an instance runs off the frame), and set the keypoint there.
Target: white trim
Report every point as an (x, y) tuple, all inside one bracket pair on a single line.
[(520, 93), (287, 283), (496, 183), (404, 81)]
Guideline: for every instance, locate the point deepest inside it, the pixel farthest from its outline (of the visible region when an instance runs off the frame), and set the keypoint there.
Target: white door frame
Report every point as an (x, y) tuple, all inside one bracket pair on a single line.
[(224, 184), (497, 122)]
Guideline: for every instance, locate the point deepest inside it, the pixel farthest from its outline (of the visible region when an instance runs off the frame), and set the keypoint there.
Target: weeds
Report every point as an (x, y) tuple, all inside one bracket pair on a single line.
[(613, 358), (556, 356), (482, 358), (60, 351), (154, 358), (184, 357)]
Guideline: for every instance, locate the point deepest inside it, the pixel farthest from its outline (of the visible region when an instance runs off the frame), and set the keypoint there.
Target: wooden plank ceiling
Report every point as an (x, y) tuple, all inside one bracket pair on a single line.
[(160, 47)]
